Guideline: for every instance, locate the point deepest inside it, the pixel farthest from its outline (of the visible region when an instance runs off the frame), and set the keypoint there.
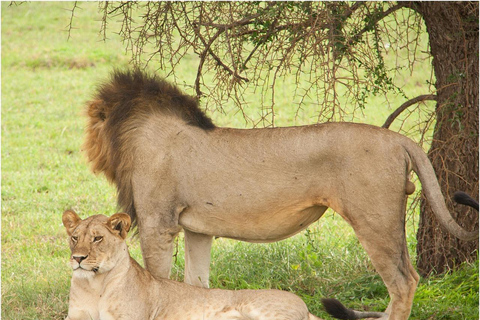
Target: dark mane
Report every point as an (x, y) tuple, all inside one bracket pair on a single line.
[(120, 106), (129, 91)]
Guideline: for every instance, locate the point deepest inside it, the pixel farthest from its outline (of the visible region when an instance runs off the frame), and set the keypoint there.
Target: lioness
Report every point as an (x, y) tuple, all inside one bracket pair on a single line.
[(174, 169), (107, 284)]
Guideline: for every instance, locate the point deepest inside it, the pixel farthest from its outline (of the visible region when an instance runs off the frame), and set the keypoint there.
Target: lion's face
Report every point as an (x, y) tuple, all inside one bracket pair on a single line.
[(97, 243)]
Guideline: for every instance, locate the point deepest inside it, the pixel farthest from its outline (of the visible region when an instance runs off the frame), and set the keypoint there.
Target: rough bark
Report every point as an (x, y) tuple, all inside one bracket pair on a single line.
[(453, 34)]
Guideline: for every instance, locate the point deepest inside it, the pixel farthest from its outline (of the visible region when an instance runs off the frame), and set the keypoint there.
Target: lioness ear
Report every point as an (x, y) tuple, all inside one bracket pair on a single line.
[(120, 222), (70, 220)]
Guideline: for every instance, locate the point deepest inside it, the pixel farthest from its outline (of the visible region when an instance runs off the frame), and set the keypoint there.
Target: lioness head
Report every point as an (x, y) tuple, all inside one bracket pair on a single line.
[(97, 243)]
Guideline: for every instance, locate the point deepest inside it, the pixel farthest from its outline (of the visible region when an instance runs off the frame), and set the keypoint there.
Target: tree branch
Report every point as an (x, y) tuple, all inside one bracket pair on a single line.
[(70, 24), (369, 25), (405, 105), (242, 22), (208, 50)]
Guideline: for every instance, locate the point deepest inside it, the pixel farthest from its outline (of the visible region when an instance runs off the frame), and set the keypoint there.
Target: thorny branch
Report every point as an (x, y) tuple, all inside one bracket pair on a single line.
[(70, 24), (405, 105), (327, 46)]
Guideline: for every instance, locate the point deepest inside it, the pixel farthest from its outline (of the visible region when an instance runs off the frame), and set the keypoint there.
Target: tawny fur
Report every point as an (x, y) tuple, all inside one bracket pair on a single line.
[(109, 284), (175, 170)]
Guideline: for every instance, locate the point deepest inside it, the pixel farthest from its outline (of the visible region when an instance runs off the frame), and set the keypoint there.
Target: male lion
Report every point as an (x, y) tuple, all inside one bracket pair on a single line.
[(173, 169), (108, 284)]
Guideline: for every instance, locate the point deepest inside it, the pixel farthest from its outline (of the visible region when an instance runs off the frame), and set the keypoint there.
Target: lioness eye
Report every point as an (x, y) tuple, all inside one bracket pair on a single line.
[(97, 239), (74, 238)]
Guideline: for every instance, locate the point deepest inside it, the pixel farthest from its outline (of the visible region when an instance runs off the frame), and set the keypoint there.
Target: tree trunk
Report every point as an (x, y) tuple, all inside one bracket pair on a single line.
[(453, 34)]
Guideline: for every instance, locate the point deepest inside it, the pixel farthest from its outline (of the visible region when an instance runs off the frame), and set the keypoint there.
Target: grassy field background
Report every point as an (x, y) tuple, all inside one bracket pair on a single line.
[(45, 83)]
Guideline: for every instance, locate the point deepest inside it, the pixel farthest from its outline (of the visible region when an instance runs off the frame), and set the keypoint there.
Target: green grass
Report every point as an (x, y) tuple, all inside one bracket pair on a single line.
[(45, 83)]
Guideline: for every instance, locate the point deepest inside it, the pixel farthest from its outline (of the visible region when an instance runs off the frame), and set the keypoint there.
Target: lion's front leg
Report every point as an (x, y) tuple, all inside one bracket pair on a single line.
[(157, 249), (197, 258), (157, 227), (157, 213)]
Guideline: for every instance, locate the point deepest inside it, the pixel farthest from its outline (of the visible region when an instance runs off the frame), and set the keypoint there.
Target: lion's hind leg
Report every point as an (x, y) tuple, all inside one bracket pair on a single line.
[(385, 243)]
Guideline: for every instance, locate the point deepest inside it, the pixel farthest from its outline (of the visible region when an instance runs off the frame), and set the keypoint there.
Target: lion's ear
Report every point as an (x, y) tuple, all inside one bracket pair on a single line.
[(70, 220), (120, 222)]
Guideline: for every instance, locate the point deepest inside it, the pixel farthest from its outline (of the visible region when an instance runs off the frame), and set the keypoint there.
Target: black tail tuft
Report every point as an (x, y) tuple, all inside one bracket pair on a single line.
[(336, 309), (463, 198)]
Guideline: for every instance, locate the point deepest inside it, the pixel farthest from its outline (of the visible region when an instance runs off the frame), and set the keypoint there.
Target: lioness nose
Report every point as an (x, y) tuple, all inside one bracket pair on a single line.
[(79, 259)]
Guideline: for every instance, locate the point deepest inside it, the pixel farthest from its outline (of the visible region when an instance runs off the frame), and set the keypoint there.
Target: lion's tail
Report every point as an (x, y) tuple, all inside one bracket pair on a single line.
[(120, 106), (423, 168), (337, 310), (463, 198)]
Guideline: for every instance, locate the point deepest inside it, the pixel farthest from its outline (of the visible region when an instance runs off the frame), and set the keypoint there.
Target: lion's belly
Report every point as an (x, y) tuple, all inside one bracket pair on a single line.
[(256, 226)]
